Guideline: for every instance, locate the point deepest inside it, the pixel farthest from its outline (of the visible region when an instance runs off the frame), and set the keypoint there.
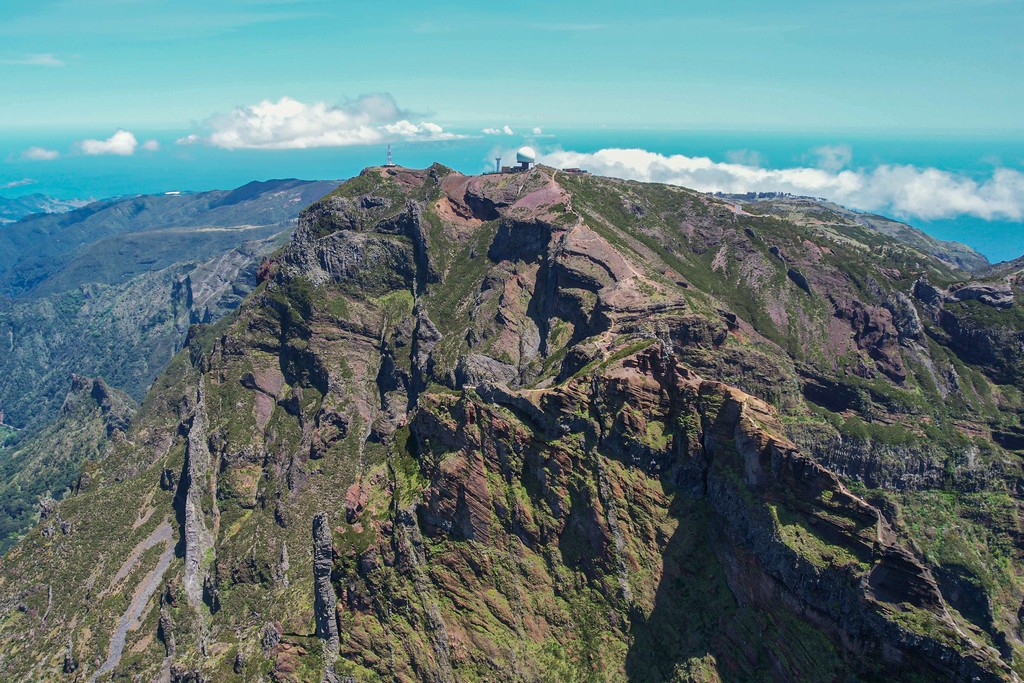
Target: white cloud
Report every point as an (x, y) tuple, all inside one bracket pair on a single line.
[(504, 130), (290, 124), (40, 154), (833, 157), (537, 130), (121, 143), (404, 128), (18, 183), (41, 59), (151, 146), (905, 191)]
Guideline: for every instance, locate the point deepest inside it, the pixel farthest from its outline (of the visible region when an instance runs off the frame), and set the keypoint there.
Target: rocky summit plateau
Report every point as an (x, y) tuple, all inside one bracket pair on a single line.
[(546, 426)]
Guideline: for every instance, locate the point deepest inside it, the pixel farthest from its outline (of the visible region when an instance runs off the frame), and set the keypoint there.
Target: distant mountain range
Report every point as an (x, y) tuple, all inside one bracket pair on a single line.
[(110, 290), (113, 239), (15, 208)]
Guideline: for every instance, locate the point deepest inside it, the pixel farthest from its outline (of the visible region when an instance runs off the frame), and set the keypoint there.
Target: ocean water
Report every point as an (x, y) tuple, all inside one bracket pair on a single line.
[(195, 167)]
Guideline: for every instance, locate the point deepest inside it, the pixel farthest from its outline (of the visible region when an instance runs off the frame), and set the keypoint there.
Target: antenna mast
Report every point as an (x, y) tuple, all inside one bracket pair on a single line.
[(389, 156)]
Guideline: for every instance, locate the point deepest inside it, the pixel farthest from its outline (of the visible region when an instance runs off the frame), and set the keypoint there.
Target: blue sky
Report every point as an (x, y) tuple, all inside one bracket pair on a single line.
[(900, 65)]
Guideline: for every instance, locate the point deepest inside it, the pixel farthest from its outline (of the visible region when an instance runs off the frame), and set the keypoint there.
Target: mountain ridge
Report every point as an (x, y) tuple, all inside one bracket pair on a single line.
[(808, 209), (37, 246), (13, 209), (543, 426)]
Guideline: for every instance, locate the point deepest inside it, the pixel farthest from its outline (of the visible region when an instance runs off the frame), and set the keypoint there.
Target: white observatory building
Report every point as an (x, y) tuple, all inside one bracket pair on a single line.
[(525, 157)]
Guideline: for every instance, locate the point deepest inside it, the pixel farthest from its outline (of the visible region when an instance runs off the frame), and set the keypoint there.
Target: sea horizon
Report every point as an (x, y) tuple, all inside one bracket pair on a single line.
[(178, 167)]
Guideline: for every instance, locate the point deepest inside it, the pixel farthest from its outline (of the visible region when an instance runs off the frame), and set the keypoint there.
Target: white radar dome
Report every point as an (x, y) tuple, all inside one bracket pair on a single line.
[(526, 154)]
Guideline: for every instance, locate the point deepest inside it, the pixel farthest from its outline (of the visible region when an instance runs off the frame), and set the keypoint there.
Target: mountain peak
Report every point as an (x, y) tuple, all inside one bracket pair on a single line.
[(547, 422)]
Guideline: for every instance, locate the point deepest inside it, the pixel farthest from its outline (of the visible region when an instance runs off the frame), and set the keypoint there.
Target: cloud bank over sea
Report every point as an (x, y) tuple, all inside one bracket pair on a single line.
[(902, 190)]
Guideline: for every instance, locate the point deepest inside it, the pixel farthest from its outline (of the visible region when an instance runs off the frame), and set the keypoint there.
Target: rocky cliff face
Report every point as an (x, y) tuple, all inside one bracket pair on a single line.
[(550, 427)]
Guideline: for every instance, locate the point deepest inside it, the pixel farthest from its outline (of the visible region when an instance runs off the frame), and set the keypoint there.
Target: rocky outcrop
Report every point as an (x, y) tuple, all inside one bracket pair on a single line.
[(165, 630), (477, 368), (180, 674), (270, 637), (411, 224), (70, 661), (799, 279), (876, 334), (996, 347), (325, 600), (905, 318), (425, 338), (115, 407), (377, 264), (459, 501), (995, 294), (199, 526)]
